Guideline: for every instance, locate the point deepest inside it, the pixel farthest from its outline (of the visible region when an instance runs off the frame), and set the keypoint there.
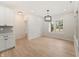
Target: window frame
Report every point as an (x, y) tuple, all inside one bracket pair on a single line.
[(54, 22)]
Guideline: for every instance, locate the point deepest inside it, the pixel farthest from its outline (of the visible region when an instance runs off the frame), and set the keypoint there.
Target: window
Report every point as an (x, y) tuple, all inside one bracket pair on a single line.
[(56, 26)]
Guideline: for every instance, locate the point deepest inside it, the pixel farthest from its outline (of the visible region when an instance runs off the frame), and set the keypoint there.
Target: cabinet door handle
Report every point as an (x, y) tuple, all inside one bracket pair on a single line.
[(6, 39)]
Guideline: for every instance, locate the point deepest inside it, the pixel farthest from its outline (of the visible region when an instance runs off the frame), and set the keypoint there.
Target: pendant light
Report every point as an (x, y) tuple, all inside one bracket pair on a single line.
[(47, 18)]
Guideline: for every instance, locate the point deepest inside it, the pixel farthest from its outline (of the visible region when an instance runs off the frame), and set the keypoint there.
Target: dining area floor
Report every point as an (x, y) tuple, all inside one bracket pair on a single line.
[(41, 47)]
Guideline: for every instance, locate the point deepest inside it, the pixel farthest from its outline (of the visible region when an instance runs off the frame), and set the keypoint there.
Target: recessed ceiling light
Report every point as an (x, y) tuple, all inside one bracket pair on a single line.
[(20, 12)]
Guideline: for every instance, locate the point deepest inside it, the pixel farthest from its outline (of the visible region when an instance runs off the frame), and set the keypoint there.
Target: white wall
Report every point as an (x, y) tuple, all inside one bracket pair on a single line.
[(19, 26), (34, 28), (68, 29), (76, 28)]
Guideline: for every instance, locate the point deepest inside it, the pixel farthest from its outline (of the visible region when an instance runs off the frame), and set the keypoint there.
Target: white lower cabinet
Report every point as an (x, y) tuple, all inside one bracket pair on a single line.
[(2, 43), (6, 41), (9, 41)]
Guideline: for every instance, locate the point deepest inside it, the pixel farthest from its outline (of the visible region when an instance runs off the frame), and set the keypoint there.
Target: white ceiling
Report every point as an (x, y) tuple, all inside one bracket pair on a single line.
[(40, 7)]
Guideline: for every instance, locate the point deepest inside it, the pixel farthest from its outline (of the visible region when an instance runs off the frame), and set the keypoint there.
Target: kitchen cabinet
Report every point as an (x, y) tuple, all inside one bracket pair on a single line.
[(9, 17), (10, 42), (2, 43), (2, 16), (6, 41), (6, 16)]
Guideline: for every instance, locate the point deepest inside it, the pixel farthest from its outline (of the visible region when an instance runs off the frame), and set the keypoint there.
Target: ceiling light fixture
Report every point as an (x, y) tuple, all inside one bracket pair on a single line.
[(47, 18), (20, 12)]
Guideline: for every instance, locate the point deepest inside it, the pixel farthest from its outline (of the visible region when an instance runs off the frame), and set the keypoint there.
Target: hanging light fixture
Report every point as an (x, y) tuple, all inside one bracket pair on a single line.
[(47, 18)]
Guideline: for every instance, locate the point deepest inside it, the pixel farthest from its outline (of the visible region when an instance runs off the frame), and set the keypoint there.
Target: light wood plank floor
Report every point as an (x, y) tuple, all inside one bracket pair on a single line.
[(41, 47)]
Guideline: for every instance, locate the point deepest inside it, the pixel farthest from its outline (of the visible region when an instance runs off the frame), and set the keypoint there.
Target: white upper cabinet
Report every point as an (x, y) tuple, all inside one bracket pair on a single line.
[(2, 16), (6, 16), (9, 17)]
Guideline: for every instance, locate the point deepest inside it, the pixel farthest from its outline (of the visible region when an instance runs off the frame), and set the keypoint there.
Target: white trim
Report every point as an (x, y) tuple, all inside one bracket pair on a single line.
[(33, 37)]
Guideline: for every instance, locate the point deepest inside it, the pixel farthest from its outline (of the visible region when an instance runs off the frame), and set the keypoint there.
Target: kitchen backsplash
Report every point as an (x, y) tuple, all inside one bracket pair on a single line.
[(6, 29)]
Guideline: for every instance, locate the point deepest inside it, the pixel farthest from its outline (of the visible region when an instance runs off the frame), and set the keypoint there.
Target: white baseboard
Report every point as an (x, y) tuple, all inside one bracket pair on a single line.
[(59, 37), (33, 37), (22, 36)]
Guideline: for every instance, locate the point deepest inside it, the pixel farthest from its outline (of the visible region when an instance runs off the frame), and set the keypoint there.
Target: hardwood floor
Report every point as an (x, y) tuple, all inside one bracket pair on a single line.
[(41, 47)]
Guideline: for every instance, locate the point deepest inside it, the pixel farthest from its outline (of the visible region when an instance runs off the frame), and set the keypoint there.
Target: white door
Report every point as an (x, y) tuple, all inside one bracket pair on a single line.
[(2, 13), (2, 43)]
